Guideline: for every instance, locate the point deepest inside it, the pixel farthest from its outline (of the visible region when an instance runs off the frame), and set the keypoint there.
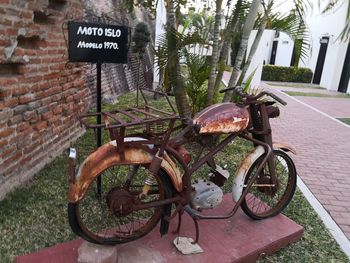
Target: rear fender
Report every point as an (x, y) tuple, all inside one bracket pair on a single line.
[(238, 182), (108, 155)]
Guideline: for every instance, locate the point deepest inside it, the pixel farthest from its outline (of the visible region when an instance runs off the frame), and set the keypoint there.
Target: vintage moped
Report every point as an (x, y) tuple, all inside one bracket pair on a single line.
[(144, 174)]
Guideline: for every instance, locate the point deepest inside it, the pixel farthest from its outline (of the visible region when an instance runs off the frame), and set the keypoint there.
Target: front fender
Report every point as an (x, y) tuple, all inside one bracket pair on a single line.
[(238, 182), (108, 155)]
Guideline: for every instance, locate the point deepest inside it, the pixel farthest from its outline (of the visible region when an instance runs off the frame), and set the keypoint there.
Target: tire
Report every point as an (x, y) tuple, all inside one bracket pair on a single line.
[(267, 201), (111, 219)]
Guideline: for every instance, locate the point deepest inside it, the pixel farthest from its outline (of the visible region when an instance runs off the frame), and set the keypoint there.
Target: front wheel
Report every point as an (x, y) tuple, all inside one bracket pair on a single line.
[(111, 218), (265, 199)]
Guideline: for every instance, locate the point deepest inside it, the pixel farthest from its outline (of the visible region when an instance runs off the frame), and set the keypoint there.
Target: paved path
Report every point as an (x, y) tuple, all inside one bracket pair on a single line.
[(335, 107), (323, 151)]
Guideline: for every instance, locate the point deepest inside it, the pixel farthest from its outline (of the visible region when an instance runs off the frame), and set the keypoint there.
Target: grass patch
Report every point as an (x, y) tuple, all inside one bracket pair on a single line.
[(35, 216), (294, 85), (345, 120), (314, 94)]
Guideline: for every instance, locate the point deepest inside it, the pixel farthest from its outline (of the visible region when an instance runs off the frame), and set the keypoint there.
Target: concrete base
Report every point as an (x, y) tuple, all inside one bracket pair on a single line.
[(238, 239)]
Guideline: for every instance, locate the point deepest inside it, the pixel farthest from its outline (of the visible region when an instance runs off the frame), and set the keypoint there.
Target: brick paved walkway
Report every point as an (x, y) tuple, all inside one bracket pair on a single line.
[(335, 107), (323, 154)]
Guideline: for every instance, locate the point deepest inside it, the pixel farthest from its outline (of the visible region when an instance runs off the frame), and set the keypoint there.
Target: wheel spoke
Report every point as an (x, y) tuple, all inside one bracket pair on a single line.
[(112, 218), (263, 200)]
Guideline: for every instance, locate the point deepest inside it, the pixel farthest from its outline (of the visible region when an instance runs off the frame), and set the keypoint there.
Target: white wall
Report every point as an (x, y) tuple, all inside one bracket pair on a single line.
[(284, 50), (262, 54), (327, 25)]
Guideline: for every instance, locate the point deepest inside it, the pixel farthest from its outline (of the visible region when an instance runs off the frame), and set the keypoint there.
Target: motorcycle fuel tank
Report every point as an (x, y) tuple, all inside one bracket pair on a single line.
[(222, 118)]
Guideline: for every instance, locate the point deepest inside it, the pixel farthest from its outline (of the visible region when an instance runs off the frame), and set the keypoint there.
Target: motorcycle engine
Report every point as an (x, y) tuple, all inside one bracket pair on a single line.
[(205, 194)]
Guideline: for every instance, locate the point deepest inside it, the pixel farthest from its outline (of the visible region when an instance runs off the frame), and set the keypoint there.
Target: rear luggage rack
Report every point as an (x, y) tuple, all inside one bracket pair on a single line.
[(145, 121)]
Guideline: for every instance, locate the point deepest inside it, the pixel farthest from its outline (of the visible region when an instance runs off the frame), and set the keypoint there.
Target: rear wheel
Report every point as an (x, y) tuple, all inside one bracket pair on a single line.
[(113, 217), (265, 199)]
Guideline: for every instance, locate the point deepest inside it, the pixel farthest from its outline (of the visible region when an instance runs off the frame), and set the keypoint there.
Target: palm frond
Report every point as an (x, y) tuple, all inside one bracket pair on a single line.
[(332, 4), (295, 26)]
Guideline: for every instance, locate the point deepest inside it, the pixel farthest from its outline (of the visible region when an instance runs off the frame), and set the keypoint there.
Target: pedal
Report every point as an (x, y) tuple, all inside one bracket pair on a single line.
[(219, 176)]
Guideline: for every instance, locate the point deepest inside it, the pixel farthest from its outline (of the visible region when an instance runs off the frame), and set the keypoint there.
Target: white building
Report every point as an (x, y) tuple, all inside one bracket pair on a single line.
[(329, 56), (274, 48)]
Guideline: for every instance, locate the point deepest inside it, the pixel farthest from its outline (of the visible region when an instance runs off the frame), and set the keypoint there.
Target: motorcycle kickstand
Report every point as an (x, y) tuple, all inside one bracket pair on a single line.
[(179, 210), (177, 231), (194, 217)]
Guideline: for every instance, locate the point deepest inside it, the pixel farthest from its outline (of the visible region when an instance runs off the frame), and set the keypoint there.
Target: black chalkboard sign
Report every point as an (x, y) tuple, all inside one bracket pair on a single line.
[(92, 42)]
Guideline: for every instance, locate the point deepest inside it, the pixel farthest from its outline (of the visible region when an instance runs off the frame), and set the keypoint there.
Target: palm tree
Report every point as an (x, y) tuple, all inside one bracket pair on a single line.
[(215, 53), (292, 24), (247, 28), (175, 77), (300, 6), (228, 36), (197, 74)]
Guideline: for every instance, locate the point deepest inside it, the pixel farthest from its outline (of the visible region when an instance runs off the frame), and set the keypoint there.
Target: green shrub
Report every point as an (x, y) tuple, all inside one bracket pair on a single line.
[(286, 74)]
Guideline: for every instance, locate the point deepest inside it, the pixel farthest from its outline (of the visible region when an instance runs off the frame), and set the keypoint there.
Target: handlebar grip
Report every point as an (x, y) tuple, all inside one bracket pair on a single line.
[(275, 97)]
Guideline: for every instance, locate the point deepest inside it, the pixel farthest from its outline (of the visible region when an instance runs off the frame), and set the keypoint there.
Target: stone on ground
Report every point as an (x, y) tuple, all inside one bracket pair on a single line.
[(185, 246)]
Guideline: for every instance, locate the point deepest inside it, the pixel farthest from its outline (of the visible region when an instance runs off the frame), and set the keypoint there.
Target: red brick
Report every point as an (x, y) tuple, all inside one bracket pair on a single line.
[(5, 93), (11, 102), (69, 99), (13, 158), (22, 127), (3, 143), (31, 148), (11, 32), (27, 14), (6, 132), (26, 160), (41, 125), (20, 90), (7, 152), (52, 91), (57, 110), (53, 120), (6, 22), (5, 42), (8, 81), (26, 98), (46, 101), (47, 115)]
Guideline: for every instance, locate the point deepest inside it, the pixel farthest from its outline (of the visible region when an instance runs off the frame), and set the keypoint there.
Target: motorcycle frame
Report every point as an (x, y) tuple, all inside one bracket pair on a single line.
[(258, 132)]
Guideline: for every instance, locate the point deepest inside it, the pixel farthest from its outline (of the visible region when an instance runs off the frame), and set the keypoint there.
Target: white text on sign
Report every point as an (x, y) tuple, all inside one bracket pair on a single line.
[(97, 31)]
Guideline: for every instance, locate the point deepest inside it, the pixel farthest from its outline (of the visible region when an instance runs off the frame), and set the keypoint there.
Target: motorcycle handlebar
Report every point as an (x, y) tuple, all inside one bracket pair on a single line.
[(239, 91), (276, 98)]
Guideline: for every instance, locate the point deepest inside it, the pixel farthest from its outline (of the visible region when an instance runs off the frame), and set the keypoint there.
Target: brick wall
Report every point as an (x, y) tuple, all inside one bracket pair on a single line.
[(40, 96)]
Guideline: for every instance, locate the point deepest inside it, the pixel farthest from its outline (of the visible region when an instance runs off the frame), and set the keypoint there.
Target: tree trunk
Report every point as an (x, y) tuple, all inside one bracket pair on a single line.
[(247, 28), (214, 56), (176, 80), (231, 28), (254, 46)]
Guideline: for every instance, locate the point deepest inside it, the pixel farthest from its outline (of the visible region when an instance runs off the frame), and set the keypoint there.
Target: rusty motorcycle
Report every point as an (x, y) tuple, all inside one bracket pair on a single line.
[(143, 175)]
